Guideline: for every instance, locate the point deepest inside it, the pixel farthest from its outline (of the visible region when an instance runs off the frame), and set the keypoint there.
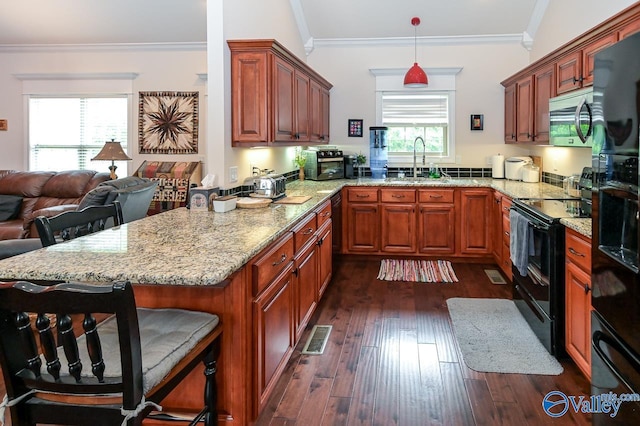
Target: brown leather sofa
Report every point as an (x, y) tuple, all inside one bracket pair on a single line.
[(41, 193)]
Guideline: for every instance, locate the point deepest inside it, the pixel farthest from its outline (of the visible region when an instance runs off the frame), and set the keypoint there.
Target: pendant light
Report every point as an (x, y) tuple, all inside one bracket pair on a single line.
[(415, 77)]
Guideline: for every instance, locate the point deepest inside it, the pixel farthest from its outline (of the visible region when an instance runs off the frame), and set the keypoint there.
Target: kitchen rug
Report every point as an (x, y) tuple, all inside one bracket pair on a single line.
[(494, 337), (427, 271)]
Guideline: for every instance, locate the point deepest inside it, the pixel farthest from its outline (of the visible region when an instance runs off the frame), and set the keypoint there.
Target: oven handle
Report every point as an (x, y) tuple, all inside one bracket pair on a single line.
[(536, 275), (538, 227), (598, 337)]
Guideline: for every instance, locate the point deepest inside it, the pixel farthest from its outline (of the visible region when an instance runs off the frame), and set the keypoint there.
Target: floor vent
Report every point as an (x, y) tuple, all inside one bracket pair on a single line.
[(318, 340), (494, 276)]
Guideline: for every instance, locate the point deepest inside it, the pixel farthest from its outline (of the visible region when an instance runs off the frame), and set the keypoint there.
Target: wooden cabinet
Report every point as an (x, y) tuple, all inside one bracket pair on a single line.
[(436, 221), (578, 300), (362, 224), (306, 278), (276, 99), (524, 108), (325, 258), (336, 219), (475, 217), (575, 70), (503, 243), (510, 113), (273, 310), (544, 88), (398, 219)]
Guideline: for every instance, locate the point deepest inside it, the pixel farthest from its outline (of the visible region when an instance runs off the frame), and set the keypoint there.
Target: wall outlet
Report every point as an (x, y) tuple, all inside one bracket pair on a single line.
[(233, 174)]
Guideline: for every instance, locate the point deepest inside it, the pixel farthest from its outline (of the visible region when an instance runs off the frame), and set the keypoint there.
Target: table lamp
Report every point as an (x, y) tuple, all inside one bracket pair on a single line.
[(112, 151)]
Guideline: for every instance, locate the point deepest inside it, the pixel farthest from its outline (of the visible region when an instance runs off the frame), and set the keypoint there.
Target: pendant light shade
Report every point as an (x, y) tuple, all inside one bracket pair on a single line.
[(415, 77)]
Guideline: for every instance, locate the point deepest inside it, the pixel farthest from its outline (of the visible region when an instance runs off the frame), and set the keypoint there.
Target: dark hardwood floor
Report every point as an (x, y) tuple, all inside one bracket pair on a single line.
[(392, 359)]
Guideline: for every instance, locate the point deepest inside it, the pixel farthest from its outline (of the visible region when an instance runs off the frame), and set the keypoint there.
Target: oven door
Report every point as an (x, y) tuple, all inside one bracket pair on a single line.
[(614, 368), (330, 168)]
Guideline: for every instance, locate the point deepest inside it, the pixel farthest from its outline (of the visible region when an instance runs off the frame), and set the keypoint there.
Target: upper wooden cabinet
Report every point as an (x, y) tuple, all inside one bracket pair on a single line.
[(570, 67), (575, 70), (276, 99)]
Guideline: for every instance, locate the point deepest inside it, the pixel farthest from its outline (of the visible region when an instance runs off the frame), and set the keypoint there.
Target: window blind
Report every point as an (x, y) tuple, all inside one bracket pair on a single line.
[(420, 109)]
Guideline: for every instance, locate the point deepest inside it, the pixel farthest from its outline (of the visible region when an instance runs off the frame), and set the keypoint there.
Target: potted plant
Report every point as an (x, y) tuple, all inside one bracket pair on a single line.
[(300, 160), (361, 159)]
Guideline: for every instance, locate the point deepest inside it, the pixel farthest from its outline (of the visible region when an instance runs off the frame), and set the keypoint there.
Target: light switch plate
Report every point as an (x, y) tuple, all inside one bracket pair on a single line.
[(233, 174)]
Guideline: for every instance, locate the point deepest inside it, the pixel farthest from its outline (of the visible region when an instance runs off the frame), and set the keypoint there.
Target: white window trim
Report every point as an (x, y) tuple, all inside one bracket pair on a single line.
[(440, 79), (78, 85)]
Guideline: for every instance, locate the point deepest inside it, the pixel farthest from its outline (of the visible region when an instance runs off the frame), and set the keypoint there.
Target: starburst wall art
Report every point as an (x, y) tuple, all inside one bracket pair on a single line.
[(168, 123)]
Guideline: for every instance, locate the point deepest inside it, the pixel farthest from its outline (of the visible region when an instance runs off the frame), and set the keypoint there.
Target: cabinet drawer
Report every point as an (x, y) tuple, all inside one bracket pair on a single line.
[(578, 250), (435, 196), (304, 231), (324, 213), (274, 259), (362, 195), (398, 195), (506, 229)]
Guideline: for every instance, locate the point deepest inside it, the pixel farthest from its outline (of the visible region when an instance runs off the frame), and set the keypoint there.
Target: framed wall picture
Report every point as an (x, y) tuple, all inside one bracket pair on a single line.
[(168, 123), (355, 128), (477, 121)]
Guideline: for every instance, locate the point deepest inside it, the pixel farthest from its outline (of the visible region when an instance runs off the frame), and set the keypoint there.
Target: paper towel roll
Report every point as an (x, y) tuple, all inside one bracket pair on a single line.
[(497, 165)]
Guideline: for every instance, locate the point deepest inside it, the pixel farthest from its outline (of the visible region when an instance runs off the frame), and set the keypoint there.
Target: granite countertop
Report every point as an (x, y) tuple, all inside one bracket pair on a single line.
[(184, 247)]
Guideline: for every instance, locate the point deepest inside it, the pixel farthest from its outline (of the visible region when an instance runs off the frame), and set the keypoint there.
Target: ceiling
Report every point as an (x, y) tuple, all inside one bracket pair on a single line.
[(184, 21)]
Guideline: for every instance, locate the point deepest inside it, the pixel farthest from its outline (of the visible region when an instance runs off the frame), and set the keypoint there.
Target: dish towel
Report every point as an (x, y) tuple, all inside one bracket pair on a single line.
[(520, 241)]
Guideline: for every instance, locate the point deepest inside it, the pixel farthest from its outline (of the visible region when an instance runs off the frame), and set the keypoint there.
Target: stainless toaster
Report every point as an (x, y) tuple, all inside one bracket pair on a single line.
[(269, 186)]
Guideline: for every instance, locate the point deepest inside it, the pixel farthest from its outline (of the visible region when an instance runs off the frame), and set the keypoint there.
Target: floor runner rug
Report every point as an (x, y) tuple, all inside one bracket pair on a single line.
[(494, 337), (427, 271)]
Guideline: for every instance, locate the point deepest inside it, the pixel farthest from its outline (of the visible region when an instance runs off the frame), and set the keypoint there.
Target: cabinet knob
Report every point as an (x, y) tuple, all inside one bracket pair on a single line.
[(397, 195), (362, 195), (587, 289), (435, 196), (282, 259), (307, 231)]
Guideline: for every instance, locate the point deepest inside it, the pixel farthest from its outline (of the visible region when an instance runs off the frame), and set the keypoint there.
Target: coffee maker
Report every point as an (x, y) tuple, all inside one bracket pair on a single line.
[(350, 167)]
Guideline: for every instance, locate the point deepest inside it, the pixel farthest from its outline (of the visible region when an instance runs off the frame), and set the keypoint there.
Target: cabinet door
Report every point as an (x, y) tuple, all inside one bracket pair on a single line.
[(306, 277), (273, 310), (336, 219), (398, 228), (283, 100), (249, 98), (475, 234), (363, 227), (569, 72), (588, 57), (302, 107), (315, 114), (326, 108), (496, 227), (510, 113), (578, 314), (436, 233), (325, 258), (524, 109), (544, 88)]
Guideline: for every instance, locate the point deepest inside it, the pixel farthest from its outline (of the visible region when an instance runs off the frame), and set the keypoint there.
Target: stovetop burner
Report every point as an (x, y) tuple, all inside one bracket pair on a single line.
[(553, 210)]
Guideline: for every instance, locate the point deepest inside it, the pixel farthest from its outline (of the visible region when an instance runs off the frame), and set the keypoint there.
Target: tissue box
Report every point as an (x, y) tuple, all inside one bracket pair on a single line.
[(224, 204), (201, 198)]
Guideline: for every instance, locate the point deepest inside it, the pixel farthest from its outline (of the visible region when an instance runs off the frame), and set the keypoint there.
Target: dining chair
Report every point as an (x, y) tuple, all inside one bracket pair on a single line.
[(104, 361), (72, 224)]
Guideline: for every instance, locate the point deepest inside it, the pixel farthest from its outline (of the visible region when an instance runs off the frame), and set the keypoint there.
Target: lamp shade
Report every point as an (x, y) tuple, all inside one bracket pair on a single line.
[(111, 151), (416, 77)]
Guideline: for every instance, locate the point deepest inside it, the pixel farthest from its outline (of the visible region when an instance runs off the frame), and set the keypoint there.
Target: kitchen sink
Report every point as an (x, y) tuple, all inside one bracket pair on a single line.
[(419, 179)]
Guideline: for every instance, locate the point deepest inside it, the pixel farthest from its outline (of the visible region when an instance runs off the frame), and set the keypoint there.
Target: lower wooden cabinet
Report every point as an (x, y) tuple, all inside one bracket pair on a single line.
[(363, 227), (305, 279), (436, 221), (501, 229), (398, 228), (325, 257), (475, 217), (578, 300), (274, 332)]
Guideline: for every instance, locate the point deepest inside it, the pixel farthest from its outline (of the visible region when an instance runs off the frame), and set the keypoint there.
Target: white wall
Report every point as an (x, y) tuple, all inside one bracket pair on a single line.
[(478, 91), (159, 70)]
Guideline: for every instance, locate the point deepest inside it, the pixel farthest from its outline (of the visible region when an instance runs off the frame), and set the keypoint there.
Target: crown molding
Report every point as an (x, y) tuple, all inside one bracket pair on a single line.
[(102, 47), (78, 76), (424, 40)]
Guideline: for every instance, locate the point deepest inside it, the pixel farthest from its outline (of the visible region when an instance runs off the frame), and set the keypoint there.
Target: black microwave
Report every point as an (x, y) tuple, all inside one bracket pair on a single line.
[(571, 119)]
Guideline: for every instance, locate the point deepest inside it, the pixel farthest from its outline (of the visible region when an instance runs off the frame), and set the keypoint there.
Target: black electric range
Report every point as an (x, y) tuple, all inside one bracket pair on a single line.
[(538, 283)]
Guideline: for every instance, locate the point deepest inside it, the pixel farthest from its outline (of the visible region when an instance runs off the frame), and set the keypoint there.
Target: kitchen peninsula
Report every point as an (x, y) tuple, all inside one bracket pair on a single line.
[(212, 262)]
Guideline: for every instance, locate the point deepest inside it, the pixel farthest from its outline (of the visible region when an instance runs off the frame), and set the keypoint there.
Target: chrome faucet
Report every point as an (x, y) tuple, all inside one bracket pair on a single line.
[(424, 150)]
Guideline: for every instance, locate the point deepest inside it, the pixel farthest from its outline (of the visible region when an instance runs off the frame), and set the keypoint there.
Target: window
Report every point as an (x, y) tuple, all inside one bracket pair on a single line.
[(66, 132), (419, 114), (409, 113)]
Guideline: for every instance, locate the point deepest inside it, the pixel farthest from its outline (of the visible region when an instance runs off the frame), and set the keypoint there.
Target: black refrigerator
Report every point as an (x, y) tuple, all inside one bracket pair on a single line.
[(615, 320)]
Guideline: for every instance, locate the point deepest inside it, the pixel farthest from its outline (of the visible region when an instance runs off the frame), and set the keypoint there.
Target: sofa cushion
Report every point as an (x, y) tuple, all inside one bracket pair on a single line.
[(96, 197), (9, 206)]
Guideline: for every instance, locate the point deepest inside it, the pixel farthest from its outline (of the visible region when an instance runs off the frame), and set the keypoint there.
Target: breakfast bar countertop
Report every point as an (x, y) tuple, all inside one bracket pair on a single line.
[(200, 248)]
